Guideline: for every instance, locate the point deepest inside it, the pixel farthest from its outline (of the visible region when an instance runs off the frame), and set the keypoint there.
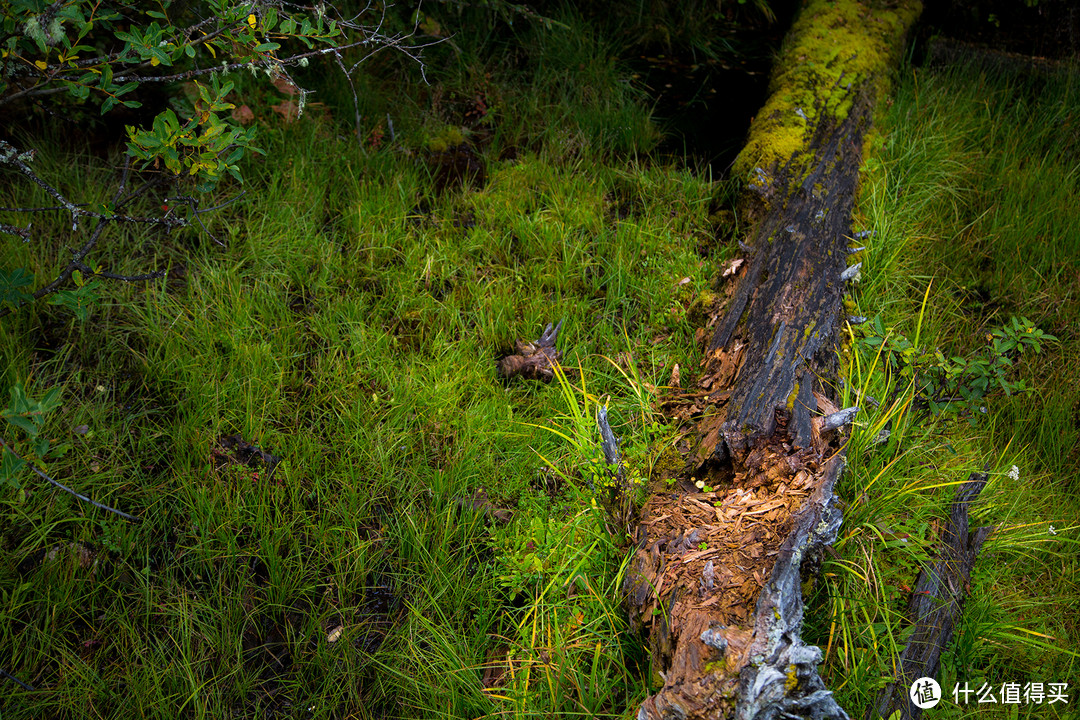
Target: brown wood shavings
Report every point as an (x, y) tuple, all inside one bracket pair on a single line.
[(738, 530)]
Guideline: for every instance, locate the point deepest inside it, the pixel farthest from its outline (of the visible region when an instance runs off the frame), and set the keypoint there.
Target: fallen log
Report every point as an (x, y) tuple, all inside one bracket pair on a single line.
[(715, 581), (935, 605)]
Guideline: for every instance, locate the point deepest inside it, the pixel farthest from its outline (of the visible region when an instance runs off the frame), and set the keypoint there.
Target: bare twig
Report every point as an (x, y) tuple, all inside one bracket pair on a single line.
[(23, 685), (69, 490), (24, 233), (380, 45), (194, 205), (355, 100), (10, 155), (86, 269)]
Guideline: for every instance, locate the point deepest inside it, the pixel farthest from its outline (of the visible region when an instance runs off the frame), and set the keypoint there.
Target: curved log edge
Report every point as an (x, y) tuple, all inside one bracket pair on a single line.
[(715, 581)]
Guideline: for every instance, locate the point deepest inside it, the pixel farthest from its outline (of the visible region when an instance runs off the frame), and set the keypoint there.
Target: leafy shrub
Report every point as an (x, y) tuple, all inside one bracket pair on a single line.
[(957, 384)]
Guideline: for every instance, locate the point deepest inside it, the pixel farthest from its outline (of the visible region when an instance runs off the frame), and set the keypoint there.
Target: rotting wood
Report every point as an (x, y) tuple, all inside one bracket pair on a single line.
[(936, 604), (534, 360), (715, 581)]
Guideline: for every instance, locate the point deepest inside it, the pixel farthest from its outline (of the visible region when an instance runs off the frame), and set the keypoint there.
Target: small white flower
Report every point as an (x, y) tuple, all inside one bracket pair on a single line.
[(1014, 472), (1052, 530)]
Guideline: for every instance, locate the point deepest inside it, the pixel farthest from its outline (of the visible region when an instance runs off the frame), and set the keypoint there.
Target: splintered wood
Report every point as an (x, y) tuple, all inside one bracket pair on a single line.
[(715, 546), (712, 549)]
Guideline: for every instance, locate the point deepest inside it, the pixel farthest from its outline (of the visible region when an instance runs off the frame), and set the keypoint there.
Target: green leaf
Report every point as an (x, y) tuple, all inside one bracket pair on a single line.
[(78, 91), (266, 47), (51, 401), (19, 401), (12, 284), (169, 118), (160, 55), (23, 423), (10, 467), (78, 301)]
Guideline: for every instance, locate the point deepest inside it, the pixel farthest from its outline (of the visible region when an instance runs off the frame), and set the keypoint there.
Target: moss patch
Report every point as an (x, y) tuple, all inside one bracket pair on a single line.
[(834, 48)]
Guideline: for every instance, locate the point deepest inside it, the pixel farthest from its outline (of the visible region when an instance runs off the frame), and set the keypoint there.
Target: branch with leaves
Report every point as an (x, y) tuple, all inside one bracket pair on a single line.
[(28, 415), (103, 51), (96, 54)]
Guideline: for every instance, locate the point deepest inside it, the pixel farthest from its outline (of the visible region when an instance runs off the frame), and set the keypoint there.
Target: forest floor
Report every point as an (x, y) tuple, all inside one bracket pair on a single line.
[(346, 512)]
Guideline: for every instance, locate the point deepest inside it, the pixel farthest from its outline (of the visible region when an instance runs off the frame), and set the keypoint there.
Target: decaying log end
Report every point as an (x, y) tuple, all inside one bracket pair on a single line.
[(534, 360), (717, 581)]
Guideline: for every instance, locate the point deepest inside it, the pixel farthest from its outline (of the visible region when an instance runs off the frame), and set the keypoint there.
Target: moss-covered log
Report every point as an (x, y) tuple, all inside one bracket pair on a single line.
[(716, 579)]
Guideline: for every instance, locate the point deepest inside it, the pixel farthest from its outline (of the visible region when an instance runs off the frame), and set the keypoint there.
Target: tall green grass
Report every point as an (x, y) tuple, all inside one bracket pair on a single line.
[(970, 193), (349, 322)]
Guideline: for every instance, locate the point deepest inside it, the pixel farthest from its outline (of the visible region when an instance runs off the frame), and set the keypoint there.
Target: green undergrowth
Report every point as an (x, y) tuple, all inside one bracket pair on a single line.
[(970, 196), (346, 316)]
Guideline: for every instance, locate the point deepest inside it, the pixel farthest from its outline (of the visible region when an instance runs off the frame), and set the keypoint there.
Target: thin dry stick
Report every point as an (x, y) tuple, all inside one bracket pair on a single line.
[(69, 490), (9, 676)]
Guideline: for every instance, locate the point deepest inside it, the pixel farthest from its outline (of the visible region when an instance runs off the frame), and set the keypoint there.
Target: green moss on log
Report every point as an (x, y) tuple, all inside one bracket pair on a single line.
[(835, 47)]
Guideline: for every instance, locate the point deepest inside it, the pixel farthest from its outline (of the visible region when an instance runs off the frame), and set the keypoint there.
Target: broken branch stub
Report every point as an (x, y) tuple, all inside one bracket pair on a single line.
[(936, 604), (534, 360)]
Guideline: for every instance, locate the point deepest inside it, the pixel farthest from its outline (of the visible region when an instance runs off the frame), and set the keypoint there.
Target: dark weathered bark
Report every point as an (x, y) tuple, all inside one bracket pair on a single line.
[(936, 604), (732, 647), (715, 582)]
